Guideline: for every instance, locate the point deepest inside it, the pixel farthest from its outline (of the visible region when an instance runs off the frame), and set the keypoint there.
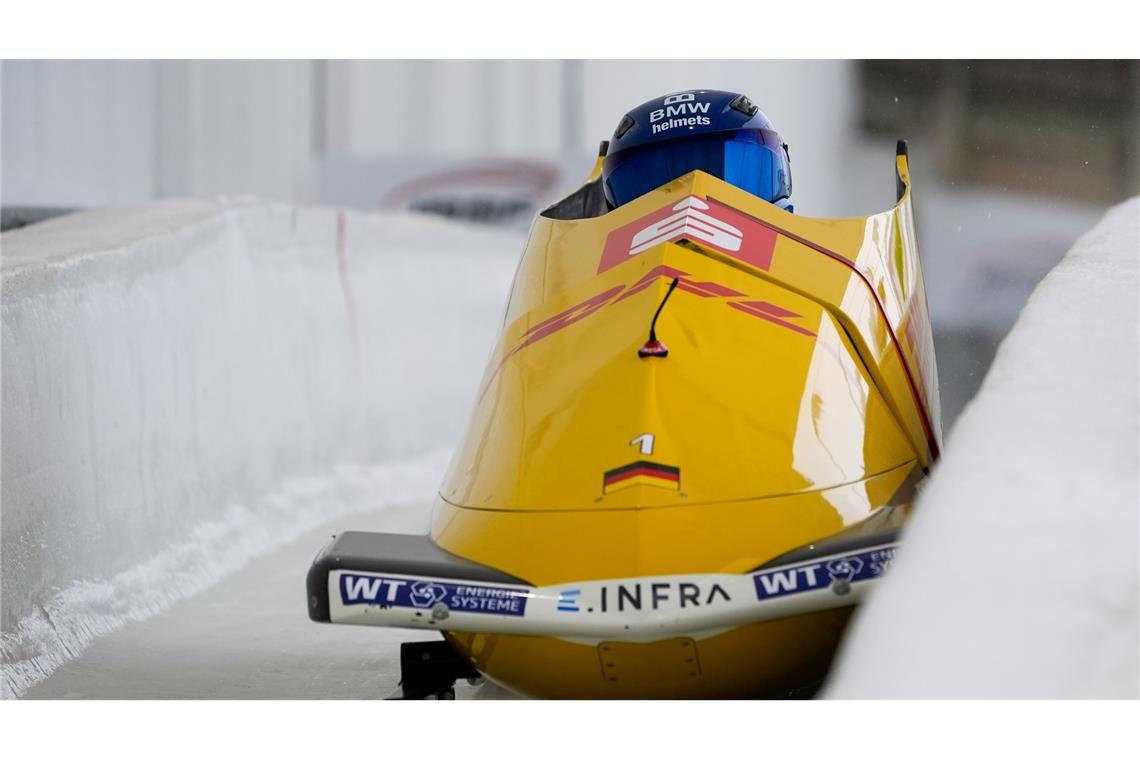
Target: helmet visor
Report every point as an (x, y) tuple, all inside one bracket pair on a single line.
[(752, 159)]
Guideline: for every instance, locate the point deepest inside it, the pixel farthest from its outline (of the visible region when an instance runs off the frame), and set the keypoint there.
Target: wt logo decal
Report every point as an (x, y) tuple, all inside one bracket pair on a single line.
[(704, 222), (425, 593), (837, 573), (457, 597)]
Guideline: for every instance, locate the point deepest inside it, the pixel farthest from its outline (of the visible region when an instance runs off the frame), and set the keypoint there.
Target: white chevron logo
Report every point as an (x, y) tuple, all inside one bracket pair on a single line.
[(689, 221)]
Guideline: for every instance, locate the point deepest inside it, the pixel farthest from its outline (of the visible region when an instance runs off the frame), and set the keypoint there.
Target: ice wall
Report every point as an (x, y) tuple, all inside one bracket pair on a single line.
[(164, 363), (1019, 576)]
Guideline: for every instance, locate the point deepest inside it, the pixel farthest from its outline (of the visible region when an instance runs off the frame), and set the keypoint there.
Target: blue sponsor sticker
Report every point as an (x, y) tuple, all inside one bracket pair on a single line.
[(404, 592), (812, 576)]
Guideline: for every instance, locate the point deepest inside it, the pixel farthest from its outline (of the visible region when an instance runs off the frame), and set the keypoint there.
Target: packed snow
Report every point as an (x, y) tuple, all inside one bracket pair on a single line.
[(1019, 575)]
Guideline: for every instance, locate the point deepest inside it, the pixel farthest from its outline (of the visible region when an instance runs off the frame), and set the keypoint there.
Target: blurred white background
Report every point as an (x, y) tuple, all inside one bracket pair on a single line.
[(81, 133)]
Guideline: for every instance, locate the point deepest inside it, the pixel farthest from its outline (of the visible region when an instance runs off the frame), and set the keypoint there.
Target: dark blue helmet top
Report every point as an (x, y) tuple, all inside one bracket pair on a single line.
[(721, 133)]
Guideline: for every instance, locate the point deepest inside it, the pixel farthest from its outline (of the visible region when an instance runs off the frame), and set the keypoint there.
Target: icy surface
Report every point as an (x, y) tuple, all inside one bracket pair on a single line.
[(1019, 576), (247, 635), (71, 620), (176, 375)]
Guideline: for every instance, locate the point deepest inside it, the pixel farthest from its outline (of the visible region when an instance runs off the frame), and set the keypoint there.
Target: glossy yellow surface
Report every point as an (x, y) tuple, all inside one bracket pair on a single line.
[(798, 396), (761, 659)]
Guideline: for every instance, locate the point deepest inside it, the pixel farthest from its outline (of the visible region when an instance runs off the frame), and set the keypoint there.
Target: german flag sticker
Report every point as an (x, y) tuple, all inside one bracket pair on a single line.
[(642, 474)]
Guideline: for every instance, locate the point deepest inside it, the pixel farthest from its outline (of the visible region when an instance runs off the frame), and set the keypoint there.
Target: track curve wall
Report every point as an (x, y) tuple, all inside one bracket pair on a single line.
[(166, 362), (1020, 573)]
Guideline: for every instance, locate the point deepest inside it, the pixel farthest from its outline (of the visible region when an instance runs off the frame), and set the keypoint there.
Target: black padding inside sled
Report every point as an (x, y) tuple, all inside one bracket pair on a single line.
[(586, 202)]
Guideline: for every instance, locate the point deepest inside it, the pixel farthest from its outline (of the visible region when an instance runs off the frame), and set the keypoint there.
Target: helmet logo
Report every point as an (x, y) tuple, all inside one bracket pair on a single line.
[(681, 105)]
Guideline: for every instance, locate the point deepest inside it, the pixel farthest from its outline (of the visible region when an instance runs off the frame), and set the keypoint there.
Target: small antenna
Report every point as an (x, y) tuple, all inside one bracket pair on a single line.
[(654, 347)]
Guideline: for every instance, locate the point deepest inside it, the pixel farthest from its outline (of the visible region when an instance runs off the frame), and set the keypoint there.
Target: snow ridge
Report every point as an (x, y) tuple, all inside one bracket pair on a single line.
[(1020, 574)]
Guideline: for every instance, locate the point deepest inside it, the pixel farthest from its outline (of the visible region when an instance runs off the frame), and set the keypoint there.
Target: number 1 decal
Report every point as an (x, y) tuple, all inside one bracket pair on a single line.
[(646, 441)]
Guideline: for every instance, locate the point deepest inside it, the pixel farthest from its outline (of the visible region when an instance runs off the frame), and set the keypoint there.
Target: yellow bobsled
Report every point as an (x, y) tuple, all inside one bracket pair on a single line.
[(688, 516)]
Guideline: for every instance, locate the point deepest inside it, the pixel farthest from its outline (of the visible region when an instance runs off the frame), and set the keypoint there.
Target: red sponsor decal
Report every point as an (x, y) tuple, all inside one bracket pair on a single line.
[(704, 289), (552, 325), (702, 221), (771, 313), (568, 317), (579, 311)]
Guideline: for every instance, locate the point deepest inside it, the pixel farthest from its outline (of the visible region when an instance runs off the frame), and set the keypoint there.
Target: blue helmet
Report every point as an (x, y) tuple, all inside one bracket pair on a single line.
[(721, 133)]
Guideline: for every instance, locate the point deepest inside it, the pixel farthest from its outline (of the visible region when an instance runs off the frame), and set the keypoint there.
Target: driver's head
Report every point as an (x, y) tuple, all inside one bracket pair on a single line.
[(720, 133)]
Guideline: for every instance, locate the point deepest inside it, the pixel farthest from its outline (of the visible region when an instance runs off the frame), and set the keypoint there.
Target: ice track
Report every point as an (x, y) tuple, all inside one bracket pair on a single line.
[(194, 392), (244, 634)]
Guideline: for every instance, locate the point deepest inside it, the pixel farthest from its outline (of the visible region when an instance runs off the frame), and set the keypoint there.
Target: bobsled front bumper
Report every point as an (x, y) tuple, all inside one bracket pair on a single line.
[(407, 581)]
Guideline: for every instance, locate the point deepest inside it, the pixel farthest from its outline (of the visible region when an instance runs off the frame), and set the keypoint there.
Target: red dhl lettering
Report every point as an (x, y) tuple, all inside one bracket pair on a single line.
[(760, 309)]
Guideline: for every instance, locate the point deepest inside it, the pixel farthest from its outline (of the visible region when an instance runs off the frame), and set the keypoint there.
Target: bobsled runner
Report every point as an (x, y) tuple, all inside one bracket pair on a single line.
[(691, 454)]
